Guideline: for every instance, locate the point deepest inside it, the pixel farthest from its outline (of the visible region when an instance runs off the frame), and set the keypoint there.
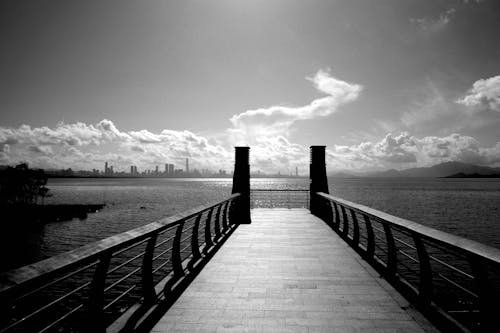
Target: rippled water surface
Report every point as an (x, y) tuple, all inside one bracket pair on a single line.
[(466, 207)]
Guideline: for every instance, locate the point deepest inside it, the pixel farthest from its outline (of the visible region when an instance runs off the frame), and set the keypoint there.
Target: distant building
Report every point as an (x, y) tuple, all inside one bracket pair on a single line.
[(133, 170), (170, 169), (187, 165)]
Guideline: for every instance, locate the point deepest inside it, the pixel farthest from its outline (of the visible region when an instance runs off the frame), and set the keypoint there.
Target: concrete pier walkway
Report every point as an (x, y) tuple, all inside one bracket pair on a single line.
[(289, 272)]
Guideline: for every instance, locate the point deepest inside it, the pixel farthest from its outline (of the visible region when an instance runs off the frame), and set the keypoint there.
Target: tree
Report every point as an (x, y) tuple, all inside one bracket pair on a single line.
[(22, 186)]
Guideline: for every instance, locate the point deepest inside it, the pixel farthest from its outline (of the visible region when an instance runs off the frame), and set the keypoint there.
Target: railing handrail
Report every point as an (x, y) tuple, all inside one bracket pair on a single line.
[(66, 261), (460, 244)]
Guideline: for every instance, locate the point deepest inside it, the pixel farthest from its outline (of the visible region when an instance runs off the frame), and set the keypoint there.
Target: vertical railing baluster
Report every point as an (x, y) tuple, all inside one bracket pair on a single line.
[(425, 284), (217, 233), (233, 206), (325, 210), (176, 259), (195, 249), (355, 228), (488, 301), (391, 251), (370, 243), (147, 283), (96, 320), (224, 217), (208, 236), (176, 252), (345, 228), (336, 222)]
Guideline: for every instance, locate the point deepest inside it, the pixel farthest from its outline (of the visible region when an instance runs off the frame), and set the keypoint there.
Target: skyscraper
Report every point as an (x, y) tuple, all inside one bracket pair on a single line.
[(187, 165)]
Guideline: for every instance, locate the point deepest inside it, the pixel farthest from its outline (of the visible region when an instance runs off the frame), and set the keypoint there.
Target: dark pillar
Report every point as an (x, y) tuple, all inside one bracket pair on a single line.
[(317, 175), (241, 184)]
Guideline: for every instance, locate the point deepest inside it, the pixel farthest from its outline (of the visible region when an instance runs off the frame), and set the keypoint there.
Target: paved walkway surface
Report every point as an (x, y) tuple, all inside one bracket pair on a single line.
[(289, 272)]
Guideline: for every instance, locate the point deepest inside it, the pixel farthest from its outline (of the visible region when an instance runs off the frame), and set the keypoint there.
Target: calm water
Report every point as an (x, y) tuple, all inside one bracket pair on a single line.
[(466, 207)]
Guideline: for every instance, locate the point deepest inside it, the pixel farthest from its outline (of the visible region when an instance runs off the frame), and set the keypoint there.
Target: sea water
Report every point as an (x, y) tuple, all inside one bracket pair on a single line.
[(464, 207)]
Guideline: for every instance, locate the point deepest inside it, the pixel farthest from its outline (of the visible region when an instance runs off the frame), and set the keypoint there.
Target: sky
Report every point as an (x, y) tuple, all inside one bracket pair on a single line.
[(383, 84)]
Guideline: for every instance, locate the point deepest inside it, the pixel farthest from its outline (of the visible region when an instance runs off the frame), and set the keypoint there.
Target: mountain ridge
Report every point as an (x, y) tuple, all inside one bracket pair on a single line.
[(445, 169)]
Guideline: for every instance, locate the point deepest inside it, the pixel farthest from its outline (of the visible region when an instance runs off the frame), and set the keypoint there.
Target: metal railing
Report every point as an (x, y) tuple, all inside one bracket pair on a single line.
[(89, 288), (453, 279), (279, 198)]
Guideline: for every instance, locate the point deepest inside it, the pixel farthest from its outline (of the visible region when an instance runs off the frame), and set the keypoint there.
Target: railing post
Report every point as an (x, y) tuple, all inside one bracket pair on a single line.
[(217, 235), (231, 211), (345, 224), (488, 301), (391, 251), (208, 236), (318, 182), (225, 217), (241, 184), (425, 284), (96, 321), (195, 249), (336, 221), (355, 229), (370, 244), (176, 253), (148, 288)]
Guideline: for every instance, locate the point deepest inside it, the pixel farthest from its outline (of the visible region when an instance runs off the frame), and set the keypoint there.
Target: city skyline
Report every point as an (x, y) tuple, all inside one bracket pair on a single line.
[(392, 84), (169, 171)]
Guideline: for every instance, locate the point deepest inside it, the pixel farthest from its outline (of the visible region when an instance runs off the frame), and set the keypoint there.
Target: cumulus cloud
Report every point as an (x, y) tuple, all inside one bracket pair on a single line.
[(88, 146), (484, 94), (83, 145), (405, 150), (276, 120), (266, 130)]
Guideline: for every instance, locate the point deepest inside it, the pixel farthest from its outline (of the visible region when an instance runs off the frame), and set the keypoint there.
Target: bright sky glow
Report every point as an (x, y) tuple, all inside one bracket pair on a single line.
[(384, 84)]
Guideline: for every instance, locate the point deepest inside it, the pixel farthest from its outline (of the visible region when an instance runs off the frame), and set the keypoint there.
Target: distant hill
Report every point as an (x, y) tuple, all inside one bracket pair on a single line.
[(439, 170), (342, 175), (472, 175)]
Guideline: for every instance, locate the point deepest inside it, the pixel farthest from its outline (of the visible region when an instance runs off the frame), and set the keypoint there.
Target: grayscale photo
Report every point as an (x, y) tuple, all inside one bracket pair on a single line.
[(250, 166)]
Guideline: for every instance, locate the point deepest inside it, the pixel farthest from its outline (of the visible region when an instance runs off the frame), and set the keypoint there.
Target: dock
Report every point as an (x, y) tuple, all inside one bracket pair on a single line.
[(289, 272), (263, 260)]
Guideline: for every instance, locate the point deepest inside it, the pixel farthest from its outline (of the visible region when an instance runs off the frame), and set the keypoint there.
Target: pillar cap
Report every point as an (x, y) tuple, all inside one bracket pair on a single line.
[(317, 147), (241, 147)]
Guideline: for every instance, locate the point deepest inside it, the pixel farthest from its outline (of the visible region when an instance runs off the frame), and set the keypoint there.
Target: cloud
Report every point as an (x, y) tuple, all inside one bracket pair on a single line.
[(484, 95), (391, 150), (430, 106), (428, 24), (266, 130), (277, 120), (45, 150), (86, 146), (405, 150), (92, 145), (273, 154)]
